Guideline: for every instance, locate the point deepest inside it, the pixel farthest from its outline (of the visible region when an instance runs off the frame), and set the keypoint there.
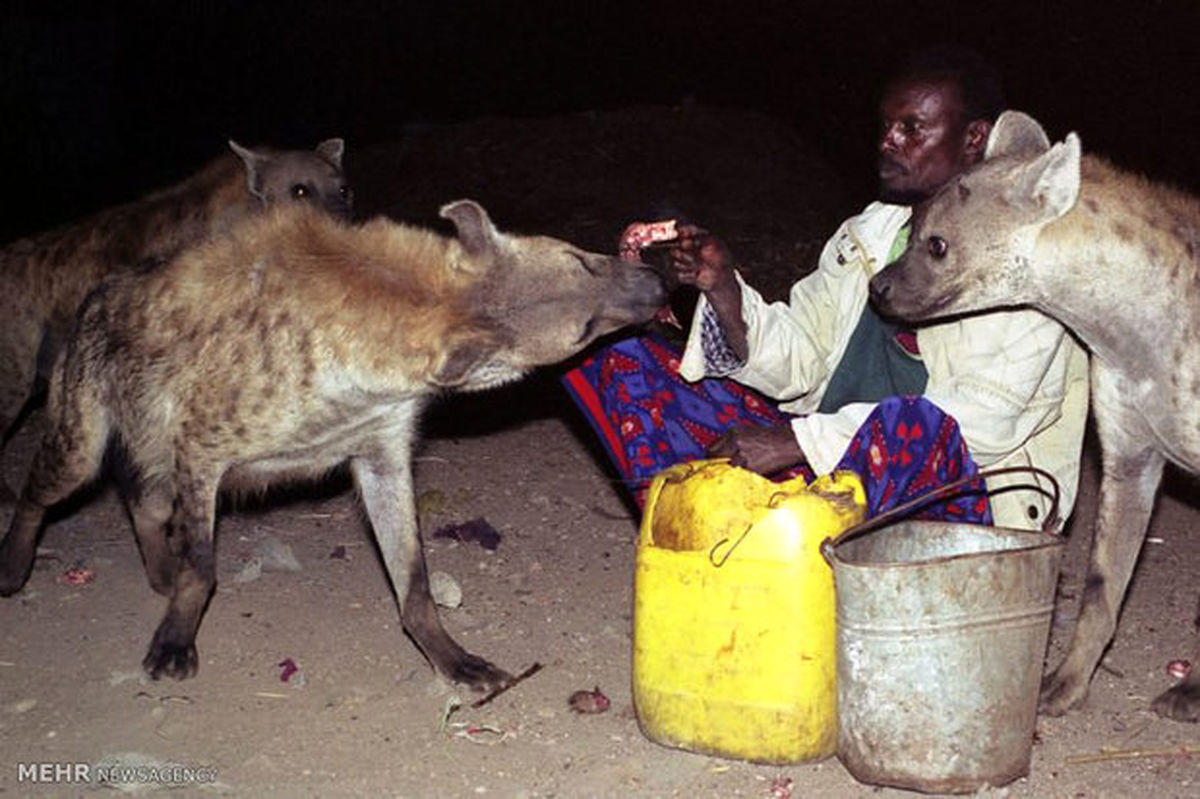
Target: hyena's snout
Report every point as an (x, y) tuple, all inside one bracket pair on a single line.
[(881, 290), (339, 204), (894, 293), (637, 294)]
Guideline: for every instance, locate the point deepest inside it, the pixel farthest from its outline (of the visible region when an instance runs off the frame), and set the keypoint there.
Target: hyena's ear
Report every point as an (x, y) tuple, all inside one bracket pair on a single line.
[(1049, 184), (470, 359), (1017, 134), (476, 232), (332, 150), (256, 163)]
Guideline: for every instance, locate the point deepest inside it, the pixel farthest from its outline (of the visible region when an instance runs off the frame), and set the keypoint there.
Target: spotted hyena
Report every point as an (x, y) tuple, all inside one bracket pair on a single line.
[(46, 277), (292, 346), (1113, 257)]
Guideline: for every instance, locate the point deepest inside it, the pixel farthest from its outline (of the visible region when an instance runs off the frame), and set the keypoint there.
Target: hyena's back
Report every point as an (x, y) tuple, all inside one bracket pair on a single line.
[(261, 330), (47, 276), (275, 349)]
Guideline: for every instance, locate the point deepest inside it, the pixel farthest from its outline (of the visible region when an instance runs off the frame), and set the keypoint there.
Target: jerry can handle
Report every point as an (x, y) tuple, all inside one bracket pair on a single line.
[(720, 561), (875, 522)]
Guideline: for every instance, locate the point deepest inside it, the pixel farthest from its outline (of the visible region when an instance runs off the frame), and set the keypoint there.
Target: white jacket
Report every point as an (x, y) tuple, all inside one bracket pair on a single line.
[(1016, 381)]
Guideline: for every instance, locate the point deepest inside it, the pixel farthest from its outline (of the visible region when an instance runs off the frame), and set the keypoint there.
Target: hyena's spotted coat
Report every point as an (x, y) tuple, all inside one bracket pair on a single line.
[(285, 349)]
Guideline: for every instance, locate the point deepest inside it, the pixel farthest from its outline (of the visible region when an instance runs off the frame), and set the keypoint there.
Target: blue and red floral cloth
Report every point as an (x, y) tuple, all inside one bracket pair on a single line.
[(648, 418)]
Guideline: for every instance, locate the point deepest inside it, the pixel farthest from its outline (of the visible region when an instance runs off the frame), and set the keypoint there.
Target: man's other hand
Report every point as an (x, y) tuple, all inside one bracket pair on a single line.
[(765, 450)]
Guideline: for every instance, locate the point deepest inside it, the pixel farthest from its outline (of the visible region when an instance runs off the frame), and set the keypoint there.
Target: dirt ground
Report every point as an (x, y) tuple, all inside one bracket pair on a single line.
[(360, 712)]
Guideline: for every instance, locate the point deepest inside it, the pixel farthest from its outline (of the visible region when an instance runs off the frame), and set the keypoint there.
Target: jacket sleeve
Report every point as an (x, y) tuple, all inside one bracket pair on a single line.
[(795, 347), (824, 437), (792, 346), (793, 350)]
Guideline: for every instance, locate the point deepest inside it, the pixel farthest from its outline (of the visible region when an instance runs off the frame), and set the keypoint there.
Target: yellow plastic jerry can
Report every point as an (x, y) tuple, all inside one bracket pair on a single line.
[(734, 642)]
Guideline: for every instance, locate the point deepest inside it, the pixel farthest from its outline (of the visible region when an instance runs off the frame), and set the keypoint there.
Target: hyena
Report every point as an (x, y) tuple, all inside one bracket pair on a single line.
[(292, 346), (1114, 258), (47, 276)]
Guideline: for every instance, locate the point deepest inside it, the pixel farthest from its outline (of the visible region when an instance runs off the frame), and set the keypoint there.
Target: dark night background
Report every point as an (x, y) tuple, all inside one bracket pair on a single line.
[(104, 101)]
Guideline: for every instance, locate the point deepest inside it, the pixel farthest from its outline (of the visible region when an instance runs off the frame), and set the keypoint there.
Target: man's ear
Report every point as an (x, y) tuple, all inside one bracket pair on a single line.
[(976, 140)]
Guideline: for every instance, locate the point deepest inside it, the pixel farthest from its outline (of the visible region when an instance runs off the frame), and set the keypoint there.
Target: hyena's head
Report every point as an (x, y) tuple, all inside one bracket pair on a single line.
[(971, 246), (540, 299), (312, 176)]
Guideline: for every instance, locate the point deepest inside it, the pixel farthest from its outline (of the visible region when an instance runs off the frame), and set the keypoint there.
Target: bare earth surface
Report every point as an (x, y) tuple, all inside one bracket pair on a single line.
[(362, 714)]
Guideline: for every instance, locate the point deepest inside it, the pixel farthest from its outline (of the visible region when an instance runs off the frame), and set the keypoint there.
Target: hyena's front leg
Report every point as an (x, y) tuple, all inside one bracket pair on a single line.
[(1127, 488), (173, 650), (151, 509), (386, 486)]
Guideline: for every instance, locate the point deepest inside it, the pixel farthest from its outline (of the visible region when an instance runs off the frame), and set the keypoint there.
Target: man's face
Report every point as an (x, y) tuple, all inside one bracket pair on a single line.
[(925, 139)]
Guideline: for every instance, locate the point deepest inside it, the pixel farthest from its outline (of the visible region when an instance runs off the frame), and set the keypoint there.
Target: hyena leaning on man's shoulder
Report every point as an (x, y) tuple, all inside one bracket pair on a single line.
[(292, 346), (44, 278), (1115, 258)]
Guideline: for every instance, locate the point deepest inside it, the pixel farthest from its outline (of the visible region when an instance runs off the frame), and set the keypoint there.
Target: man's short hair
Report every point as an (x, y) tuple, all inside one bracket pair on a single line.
[(978, 79)]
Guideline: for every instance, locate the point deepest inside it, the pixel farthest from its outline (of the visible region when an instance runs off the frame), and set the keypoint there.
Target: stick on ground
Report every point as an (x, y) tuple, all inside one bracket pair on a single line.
[(529, 672)]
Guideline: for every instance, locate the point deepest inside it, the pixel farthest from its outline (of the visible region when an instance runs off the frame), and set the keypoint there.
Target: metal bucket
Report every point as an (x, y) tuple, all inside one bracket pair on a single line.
[(942, 632)]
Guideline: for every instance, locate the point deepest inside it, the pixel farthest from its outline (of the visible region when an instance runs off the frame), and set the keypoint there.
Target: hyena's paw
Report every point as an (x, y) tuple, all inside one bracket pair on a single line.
[(15, 565), (1181, 703), (1061, 692), (170, 657), (477, 673)]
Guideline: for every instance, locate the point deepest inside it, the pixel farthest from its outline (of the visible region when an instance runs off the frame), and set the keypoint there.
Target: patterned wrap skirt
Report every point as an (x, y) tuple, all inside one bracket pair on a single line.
[(648, 418)]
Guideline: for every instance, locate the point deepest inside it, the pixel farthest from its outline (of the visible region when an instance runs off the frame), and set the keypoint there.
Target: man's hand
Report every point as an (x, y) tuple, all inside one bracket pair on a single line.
[(702, 260), (765, 450)]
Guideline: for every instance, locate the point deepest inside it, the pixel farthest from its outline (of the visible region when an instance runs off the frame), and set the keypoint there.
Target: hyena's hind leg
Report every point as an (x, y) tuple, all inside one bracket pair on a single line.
[(18, 385), (173, 650), (71, 454), (1127, 489)]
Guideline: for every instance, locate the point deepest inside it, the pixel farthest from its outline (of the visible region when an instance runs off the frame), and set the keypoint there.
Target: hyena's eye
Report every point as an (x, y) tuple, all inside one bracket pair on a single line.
[(938, 247), (344, 191), (299, 191)]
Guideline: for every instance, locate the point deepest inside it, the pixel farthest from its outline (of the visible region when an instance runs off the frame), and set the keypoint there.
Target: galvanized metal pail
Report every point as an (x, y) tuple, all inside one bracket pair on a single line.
[(942, 632)]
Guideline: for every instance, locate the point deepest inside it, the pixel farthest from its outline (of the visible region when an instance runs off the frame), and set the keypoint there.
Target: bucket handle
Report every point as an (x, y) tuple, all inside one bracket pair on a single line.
[(875, 522)]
